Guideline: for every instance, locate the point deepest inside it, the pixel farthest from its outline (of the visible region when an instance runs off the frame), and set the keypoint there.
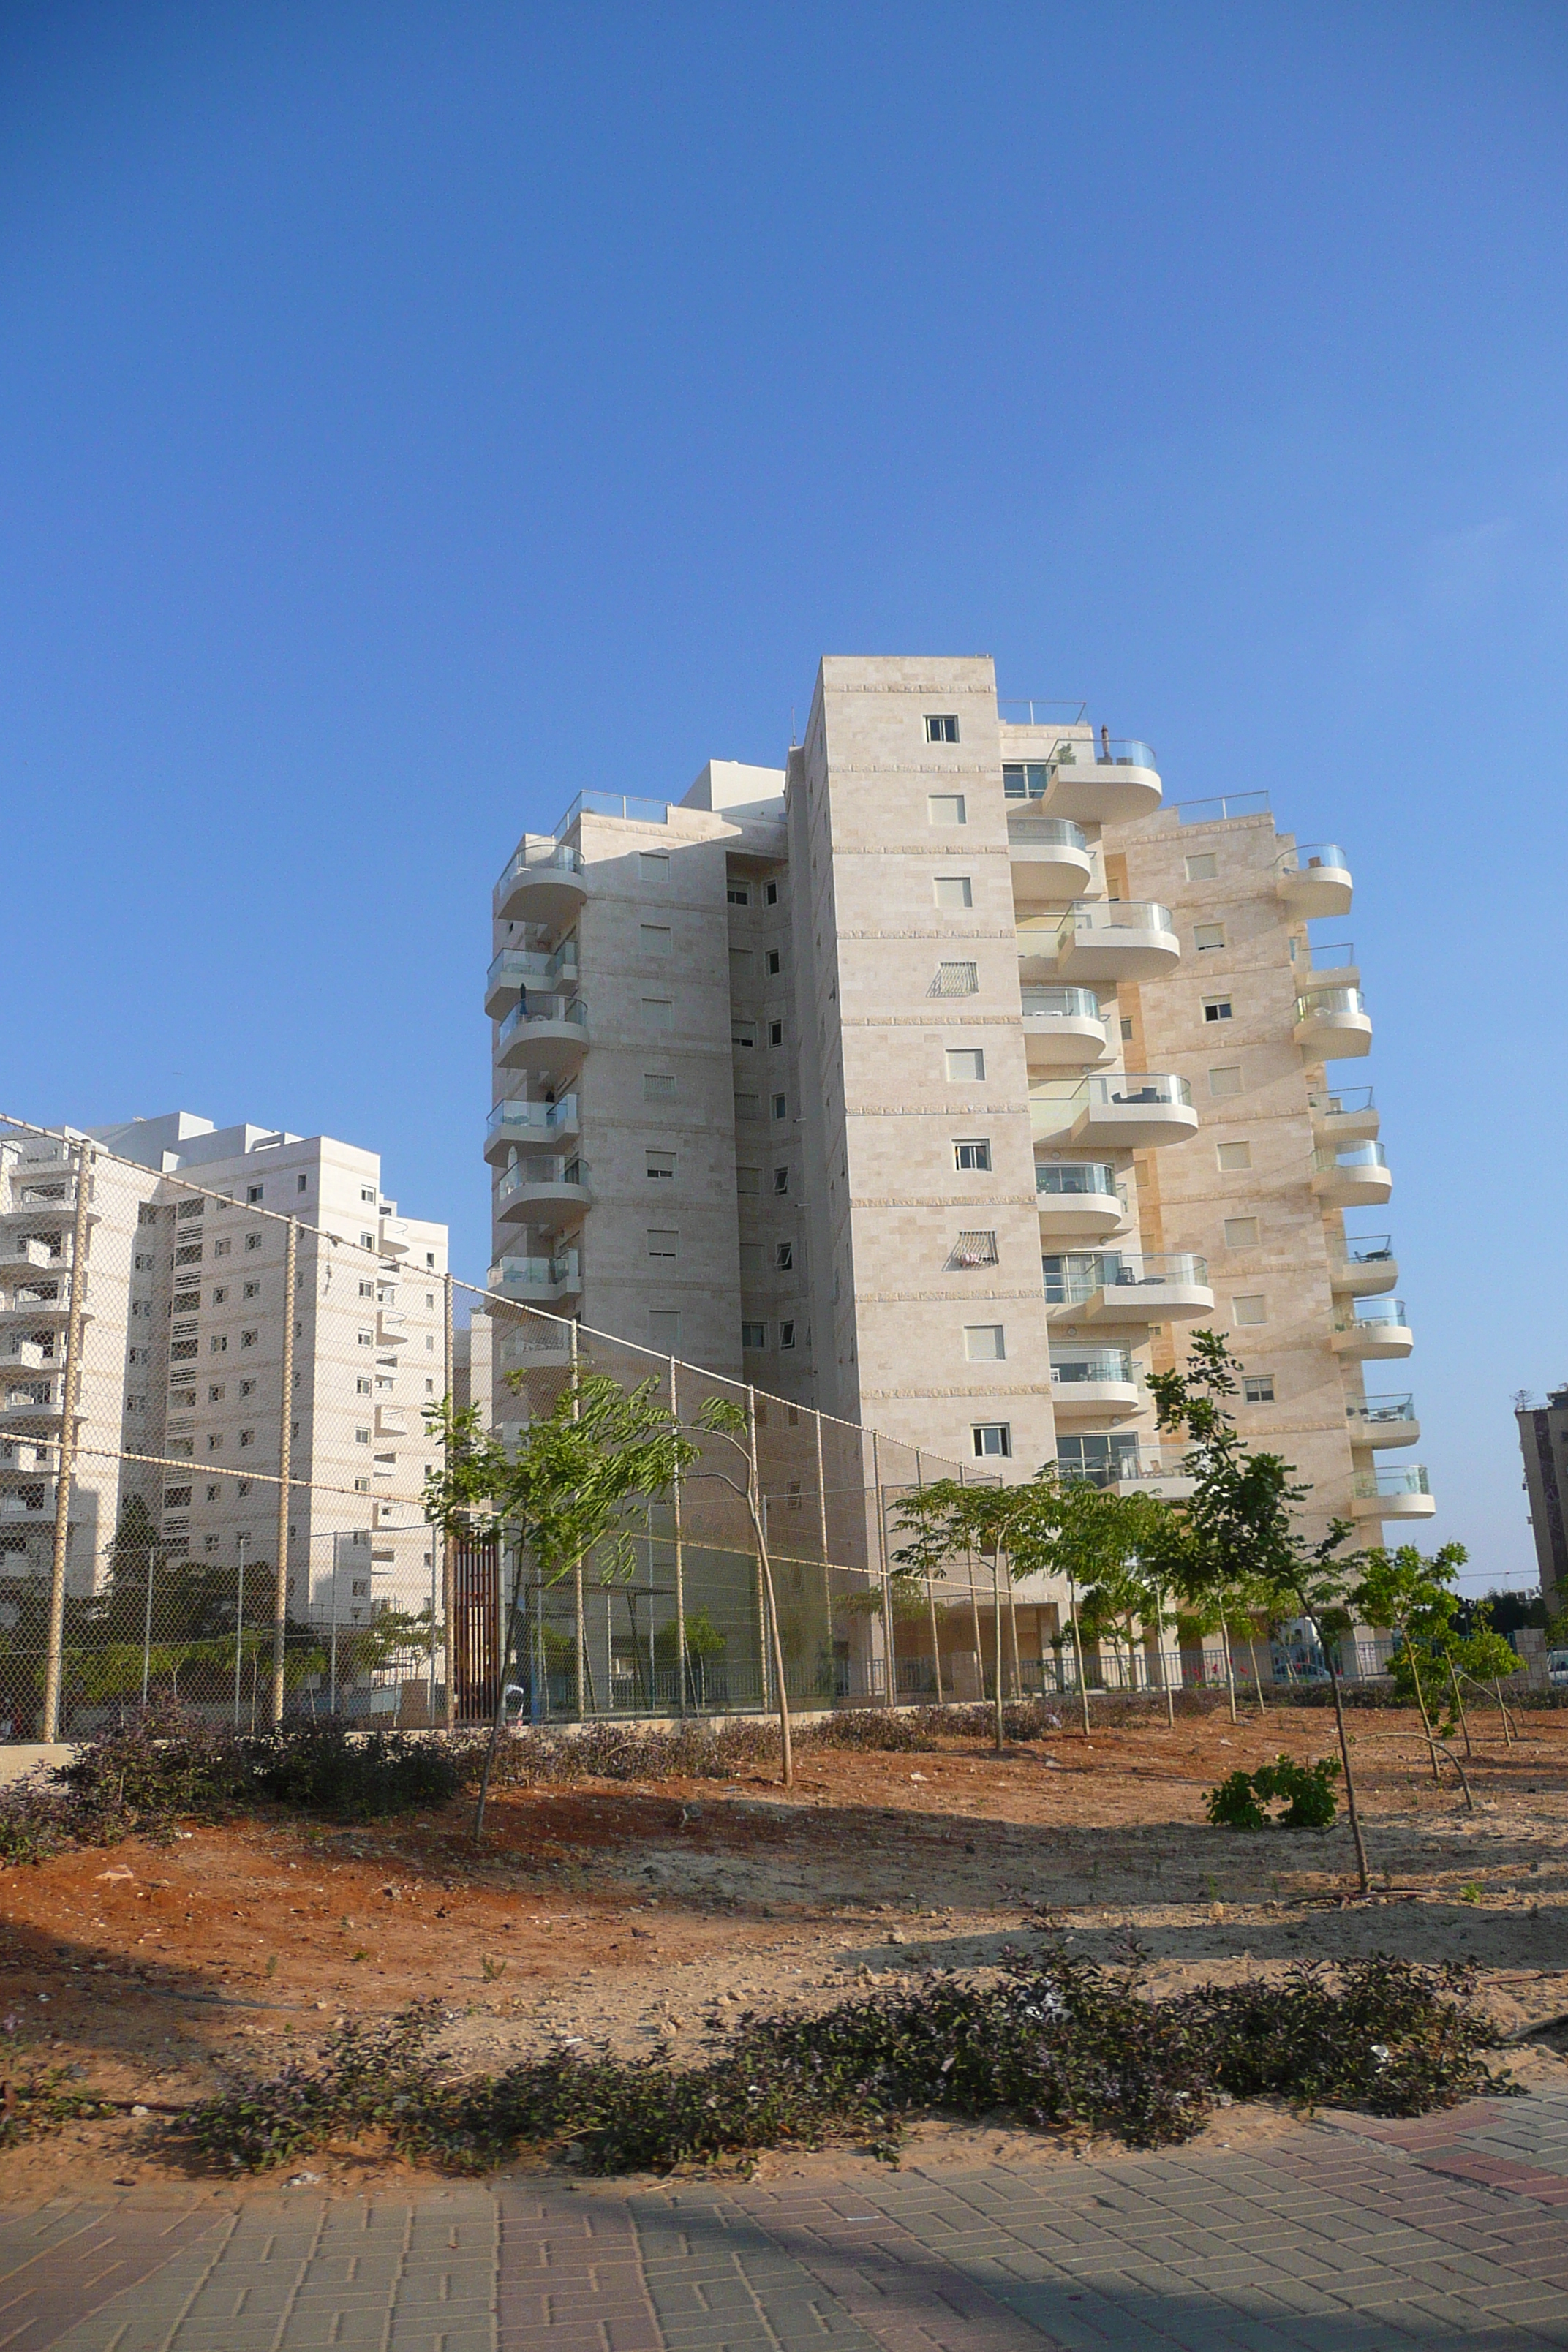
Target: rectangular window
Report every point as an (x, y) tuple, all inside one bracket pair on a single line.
[(1126, 1027), (655, 939), (252, 1241), (216, 1393), (954, 890), (975, 1248), (220, 1295), (367, 1290), (1252, 1309), (1233, 1155), (1226, 1081), (993, 1437), (743, 1033), (754, 1335), (781, 1180), (362, 1388), (218, 1345), (770, 894), (250, 1290), (771, 960), (783, 1256), (1207, 935), (658, 1012), (945, 808), (367, 1339), (654, 866), (301, 1183), (662, 1242), (984, 1343), (739, 894), (1241, 1233), (956, 979), (1257, 1388), (1203, 865), (941, 727), (1216, 1008), (657, 1085), (965, 1066), (660, 1167), (786, 1339), (220, 1249), (780, 1106), (246, 1387), (748, 1180), (249, 1338), (362, 1437), (972, 1153), (253, 1192), (776, 1032)]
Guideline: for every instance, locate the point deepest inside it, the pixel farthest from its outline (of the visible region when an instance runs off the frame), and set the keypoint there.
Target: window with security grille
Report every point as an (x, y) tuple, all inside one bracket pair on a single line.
[(956, 979), (974, 1249)]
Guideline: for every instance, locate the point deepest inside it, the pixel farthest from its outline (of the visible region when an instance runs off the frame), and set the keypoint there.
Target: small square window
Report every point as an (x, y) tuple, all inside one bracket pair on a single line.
[(214, 1493), (993, 1437), (984, 1343), (1233, 1155), (956, 979), (739, 894), (941, 727), (972, 1153), (1241, 1233), (748, 1180), (771, 960), (655, 939), (1216, 1008), (786, 1339), (1226, 1081), (783, 1256), (965, 1066), (662, 1242), (743, 1033), (1203, 865), (361, 1387), (367, 1290), (367, 1194), (362, 1437), (253, 1192), (248, 1388), (218, 1345), (657, 1085), (1206, 936), (1257, 1388), (945, 808), (654, 866), (776, 1032), (660, 1167), (1251, 1309), (780, 1106), (658, 1012), (250, 1290), (754, 1335), (361, 1486), (770, 894), (252, 1241), (249, 1338), (220, 1249), (367, 1241), (220, 1296), (215, 1392), (781, 1180), (954, 890)]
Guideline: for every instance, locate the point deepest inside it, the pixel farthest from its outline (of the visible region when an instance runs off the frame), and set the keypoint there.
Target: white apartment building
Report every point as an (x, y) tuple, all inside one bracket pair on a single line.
[(942, 1079), (181, 1398)]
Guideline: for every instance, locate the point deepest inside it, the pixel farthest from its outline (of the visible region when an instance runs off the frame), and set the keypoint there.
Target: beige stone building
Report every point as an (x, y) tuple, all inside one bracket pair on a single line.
[(942, 1079)]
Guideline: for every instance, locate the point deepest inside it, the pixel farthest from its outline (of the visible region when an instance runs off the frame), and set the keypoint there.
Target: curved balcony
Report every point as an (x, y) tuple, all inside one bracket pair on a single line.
[(547, 1033), (516, 970), (1391, 1494), (1050, 859), (1346, 1115), (539, 1280), (1315, 879), (1130, 1286), (1092, 1383), (1372, 1329), (1363, 1266), (542, 1191), (1357, 1178), (1063, 1028), (1107, 783), (1120, 1466), (1108, 939), (518, 1127), (1333, 1024), (1115, 1111), (1076, 1199), (543, 883), (1378, 1421)]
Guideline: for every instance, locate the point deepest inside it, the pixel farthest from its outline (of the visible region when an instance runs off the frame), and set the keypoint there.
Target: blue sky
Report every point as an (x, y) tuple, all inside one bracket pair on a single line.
[(409, 415)]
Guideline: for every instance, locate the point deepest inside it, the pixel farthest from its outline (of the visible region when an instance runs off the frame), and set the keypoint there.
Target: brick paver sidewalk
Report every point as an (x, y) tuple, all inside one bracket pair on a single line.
[(1347, 2236)]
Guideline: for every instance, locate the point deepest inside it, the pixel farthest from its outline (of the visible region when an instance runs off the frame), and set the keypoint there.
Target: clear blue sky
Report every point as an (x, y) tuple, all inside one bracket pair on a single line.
[(410, 414)]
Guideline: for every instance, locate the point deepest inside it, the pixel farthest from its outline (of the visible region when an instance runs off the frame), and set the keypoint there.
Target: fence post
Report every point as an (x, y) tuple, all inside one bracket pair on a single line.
[(891, 1669), (679, 1561), (827, 1562), (931, 1598), (757, 1496), (449, 1702), (975, 1613), (579, 1659), (70, 1388), (285, 1466)]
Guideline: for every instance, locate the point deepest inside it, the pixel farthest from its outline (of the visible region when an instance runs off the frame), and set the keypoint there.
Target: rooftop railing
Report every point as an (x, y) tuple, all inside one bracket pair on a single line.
[(620, 804), (1071, 1179), (1042, 714), (1105, 751), (1212, 812)]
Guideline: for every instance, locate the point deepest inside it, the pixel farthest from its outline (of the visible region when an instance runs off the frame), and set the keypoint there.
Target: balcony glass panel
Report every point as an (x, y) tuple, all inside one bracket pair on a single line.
[(531, 1118), (1050, 832), (1371, 1310), (530, 1009), (1353, 1155), (1345, 1102), (515, 966), (1137, 1086), (636, 812), (1074, 1177), (1115, 915), (539, 1172), (1108, 752), (1330, 999), (1372, 1249), (1372, 1413), (541, 857), (1413, 1481), (1077, 1002), (1311, 854), (1072, 1366), (1073, 1275), (1106, 1457)]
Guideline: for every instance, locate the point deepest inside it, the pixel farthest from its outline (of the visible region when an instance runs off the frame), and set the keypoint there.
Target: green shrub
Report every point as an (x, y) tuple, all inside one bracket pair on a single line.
[(322, 1768), (1234, 1805), (1307, 1791)]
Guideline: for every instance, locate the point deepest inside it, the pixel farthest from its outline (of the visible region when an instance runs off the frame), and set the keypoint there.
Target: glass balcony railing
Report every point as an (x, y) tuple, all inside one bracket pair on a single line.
[(1105, 751), (1380, 1411), (1073, 1275), (1319, 1002), (1352, 1155), (541, 857), (1114, 915), (1413, 1481), (1071, 1178), (1111, 1460), (527, 1172), (1115, 1088), (1076, 1366), (521, 1275), (1363, 1314), (1311, 857), (621, 804), (1345, 1102), (523, 966), (1338, 956), (530, 1009), (1047, 832), (534, 1122), (1062, 1004), (1370, 1249)]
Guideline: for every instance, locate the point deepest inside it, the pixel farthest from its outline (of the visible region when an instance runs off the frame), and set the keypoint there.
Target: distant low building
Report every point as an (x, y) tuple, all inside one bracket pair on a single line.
[(1543, 1440)]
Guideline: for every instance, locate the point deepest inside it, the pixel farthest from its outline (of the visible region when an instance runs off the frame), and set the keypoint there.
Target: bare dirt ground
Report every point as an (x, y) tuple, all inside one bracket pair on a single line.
[(645, 1916)]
